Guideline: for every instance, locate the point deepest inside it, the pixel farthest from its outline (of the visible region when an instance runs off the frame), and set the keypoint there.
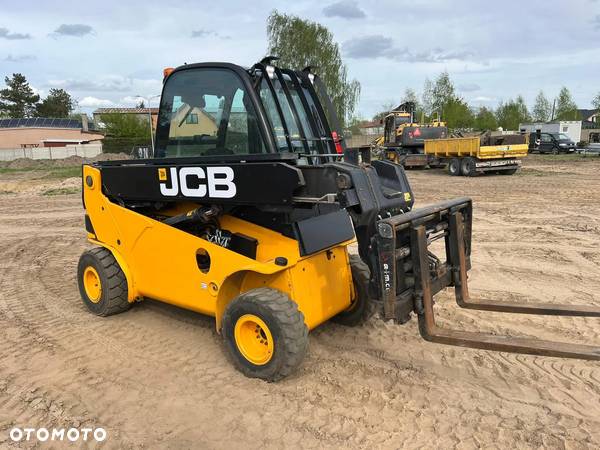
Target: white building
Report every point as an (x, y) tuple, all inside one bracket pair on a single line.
[(571, 128)]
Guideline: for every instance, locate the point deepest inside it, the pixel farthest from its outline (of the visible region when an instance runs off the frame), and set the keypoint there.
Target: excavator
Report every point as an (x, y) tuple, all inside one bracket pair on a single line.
[(403, 139), (249, 210)]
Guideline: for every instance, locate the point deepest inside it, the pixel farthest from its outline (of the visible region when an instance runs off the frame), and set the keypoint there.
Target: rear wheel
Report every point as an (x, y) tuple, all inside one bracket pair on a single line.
[(555, 151), (102, 283), (454, 167), (362, 307), (467, 167), (265, 334)]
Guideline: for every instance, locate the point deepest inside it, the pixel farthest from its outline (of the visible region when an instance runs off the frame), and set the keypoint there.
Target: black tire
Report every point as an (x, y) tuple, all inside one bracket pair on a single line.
[(285, 324), (467, 167), (363, 308), (454, 167), (112, 298), (555, 151)]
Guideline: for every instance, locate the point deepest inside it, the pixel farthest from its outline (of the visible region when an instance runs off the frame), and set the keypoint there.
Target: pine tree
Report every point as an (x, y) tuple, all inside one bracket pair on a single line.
[(18, 100)]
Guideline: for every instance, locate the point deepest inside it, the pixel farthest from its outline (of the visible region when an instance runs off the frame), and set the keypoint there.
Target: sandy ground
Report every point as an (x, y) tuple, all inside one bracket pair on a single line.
[(156, 376)]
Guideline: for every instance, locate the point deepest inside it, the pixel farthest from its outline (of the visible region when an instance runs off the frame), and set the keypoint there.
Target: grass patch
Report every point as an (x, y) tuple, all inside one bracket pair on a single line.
[(48, 172), (61, 191), (7, 170), (63, 172), (564, 157)]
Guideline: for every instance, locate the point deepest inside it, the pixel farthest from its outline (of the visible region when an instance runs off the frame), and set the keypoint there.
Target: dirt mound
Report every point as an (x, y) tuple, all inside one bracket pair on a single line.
[(40, 164)]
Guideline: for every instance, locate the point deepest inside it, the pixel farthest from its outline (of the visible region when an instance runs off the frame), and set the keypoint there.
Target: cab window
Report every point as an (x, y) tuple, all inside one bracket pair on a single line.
[(206, 112)]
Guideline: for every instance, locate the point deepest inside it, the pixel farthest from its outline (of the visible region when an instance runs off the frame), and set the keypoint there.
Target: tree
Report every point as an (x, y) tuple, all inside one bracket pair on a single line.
[(542, 108), (485, 119), (512, 113), (300, 43), (141, 104), (566, 109), (125, 126), (457, 113), (427, 97), (58, 103), (442, 92), (123, 131), (354, 125), (596, 102), (18, 99)]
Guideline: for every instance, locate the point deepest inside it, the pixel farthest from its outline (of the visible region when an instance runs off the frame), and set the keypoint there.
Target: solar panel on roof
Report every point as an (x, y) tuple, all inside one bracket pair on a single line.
[(45, 122)]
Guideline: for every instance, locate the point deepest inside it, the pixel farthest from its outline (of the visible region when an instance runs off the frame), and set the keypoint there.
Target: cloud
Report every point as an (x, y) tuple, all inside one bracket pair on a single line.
[(376, 46), (75, 29), (108, 84), (469, 87), (346, 9), (19, 58), (93, 102), (203, 33), (483, 98), (373, 46), (596, 22), (6, 34)]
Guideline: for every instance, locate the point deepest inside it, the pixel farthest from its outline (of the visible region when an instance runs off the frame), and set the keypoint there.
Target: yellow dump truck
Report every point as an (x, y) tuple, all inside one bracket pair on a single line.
[(474, 155)]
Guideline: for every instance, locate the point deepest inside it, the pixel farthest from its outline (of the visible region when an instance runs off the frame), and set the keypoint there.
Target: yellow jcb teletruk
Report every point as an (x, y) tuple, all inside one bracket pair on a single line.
[(246, 212)]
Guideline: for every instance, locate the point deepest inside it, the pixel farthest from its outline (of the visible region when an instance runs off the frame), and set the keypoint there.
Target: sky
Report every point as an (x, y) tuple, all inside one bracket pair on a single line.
[(106, 53)]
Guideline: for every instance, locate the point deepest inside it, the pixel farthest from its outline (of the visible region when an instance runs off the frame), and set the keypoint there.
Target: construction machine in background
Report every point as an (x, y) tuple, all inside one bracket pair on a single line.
[(403, 139), (247, 211), (471, 156)]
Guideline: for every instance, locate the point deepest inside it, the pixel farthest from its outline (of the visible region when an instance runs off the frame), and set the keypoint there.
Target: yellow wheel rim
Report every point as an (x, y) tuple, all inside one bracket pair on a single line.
[(91, 283), (253, 339)]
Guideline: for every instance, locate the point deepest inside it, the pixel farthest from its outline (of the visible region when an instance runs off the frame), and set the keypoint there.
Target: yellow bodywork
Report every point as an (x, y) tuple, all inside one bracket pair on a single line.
[(471, 146), (159, 261)]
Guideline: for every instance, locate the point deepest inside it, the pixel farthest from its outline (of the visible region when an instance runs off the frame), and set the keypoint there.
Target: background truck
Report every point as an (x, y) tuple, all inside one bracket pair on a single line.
[(470, 156)]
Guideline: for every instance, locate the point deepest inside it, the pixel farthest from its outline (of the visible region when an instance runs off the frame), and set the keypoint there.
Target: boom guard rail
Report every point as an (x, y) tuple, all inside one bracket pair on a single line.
[(409, 272)]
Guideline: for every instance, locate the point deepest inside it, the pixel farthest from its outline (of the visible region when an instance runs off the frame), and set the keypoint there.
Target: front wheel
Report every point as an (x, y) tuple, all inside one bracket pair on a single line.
[(265, 334), (362, 307)]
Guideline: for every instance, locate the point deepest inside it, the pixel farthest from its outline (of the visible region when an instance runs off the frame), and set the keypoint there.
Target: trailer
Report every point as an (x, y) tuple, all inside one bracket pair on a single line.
[(475, 155)]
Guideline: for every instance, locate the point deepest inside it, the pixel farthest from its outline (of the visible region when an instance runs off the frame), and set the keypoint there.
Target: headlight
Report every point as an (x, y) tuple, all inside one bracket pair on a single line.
[(385, 230)]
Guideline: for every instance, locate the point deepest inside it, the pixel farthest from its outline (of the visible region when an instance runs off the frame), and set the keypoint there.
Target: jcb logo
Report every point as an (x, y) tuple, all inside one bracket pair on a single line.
[(217, 182)]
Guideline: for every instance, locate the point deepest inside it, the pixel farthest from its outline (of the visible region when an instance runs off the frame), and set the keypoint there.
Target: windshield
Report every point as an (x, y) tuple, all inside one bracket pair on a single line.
[(206, 112), (563, 137), (402, 119)]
